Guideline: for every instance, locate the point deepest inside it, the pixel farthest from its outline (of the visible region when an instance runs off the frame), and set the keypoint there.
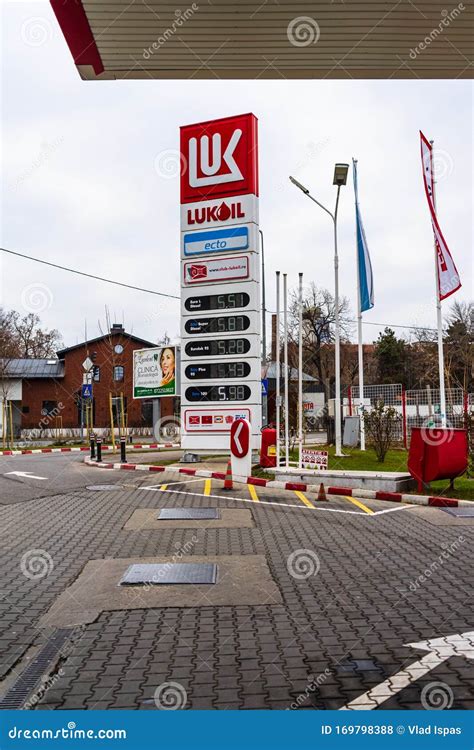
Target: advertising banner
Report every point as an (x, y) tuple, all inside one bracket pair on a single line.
[(216, 269), (154, 372)]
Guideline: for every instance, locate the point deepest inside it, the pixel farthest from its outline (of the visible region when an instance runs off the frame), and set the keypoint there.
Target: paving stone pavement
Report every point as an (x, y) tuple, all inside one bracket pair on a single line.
[(340, 631)]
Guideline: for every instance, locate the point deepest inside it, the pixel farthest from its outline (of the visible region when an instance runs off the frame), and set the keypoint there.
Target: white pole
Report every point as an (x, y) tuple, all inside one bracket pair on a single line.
[(361, 368), (285, 368), (442, 391), (337, 400), (300, 371), (278, 373)]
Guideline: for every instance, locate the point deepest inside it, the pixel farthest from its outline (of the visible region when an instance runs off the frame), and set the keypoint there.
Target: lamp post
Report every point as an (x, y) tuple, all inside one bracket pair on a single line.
[(340, 179)]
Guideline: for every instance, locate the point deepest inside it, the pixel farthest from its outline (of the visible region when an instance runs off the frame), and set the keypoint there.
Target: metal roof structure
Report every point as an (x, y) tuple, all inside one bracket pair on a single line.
[(281, 39), (32, 368)]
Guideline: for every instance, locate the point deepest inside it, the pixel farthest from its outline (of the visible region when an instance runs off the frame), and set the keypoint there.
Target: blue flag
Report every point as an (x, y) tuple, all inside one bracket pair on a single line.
[(366, 279)]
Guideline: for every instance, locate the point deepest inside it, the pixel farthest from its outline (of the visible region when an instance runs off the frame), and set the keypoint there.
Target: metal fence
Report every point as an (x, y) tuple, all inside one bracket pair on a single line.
[(417, 408), (390, 394)]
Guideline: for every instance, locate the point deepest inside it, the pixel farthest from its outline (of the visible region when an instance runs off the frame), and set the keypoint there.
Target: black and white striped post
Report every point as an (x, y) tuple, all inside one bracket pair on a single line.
[(99, 450)]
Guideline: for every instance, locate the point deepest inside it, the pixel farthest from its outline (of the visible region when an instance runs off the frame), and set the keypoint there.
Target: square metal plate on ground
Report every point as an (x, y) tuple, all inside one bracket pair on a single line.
[(169, 573), (460, 512), (191, 514)]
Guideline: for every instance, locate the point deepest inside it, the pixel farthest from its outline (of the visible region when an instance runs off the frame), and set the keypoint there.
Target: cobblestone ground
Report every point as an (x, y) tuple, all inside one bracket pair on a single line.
[(350, 583)]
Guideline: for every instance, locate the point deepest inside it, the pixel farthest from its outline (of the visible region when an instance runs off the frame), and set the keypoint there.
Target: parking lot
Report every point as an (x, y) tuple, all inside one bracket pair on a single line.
[(317, 605)]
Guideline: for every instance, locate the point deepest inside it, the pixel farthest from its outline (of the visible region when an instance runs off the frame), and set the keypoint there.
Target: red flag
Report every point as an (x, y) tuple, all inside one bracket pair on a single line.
[(448, 277)]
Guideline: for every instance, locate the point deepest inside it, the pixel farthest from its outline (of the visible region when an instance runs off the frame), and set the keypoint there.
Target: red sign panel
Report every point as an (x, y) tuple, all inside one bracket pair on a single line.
[(240, 438), (219, 158)]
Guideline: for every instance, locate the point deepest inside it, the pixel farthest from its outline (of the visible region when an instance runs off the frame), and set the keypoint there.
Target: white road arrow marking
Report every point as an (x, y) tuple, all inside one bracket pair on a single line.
[(26, 474), (439, 650), (236, 437)]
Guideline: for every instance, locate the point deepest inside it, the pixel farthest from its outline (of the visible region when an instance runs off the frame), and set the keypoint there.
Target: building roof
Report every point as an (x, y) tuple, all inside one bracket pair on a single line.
[(32, 368), (269, 371), (123, 39), (114, 331)]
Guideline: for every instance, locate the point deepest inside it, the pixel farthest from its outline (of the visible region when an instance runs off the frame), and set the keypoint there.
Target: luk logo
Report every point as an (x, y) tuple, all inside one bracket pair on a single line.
[(220, 158), (211, 165)]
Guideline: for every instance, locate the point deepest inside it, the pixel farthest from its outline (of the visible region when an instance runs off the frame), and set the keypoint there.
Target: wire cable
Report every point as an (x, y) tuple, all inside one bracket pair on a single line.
[(89, 275)]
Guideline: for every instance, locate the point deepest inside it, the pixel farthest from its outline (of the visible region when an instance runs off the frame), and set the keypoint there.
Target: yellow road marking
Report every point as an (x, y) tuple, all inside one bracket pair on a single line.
[(163, 487), (207, 487), (253, 493), (303, 498), (358, 503)]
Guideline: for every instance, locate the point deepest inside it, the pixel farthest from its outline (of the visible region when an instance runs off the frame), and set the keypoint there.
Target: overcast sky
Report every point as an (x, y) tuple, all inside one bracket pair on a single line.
[(86, 183)]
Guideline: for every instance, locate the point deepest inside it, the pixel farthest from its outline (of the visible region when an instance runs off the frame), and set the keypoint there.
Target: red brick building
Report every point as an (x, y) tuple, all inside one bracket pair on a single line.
[(51, 389)]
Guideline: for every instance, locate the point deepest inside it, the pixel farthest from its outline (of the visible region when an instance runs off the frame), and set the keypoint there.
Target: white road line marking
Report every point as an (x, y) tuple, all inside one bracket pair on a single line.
[(439, 650)]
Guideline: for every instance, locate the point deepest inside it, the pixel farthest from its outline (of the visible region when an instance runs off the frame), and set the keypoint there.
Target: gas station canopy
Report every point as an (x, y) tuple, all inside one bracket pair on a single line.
[(119, 39)]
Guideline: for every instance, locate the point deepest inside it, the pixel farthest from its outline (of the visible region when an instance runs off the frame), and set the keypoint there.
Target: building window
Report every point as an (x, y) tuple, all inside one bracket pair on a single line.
[(96, 374), (147, 413), (25, 409), (49, 408), (118, 373)]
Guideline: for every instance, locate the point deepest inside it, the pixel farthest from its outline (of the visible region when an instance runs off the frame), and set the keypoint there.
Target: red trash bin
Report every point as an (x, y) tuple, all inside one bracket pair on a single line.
[(437, 453), (268, 448)]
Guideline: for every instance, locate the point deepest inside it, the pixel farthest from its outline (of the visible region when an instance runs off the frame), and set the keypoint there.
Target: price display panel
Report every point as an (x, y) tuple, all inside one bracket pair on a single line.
[(219, 324), (217, 371), (218, 393), (226, 301), (217, 348)]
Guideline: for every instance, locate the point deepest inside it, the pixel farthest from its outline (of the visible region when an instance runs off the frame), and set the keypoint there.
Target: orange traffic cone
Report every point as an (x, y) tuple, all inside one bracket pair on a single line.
[(322, 492), (228, 485)]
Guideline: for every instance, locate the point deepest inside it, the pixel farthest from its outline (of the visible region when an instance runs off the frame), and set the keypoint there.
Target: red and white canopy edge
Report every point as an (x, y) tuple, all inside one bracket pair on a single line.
[(123, 39)]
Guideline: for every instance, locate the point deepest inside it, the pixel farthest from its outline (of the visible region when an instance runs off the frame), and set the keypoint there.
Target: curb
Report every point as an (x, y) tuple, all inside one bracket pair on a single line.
[(84, 448), (394, 497)]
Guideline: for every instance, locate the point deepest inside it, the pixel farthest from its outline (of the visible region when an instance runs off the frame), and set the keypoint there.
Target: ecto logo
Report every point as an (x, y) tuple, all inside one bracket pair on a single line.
[(220, 158), (212, 169)]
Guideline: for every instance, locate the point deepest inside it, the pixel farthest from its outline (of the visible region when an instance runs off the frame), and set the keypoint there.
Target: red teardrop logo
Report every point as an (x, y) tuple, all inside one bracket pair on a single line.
[(223, 212)]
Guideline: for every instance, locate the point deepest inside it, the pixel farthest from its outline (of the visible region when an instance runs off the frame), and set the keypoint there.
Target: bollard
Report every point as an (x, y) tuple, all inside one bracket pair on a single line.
[(92, 444), (123, 449), (99, 450)]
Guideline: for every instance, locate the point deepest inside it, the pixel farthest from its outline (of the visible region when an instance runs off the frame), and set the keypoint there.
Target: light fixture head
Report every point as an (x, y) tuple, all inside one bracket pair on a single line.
[(340, 174), (299, 185)]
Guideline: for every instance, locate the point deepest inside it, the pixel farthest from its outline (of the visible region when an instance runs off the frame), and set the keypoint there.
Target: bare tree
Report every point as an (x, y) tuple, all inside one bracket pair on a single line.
[(319, 318)]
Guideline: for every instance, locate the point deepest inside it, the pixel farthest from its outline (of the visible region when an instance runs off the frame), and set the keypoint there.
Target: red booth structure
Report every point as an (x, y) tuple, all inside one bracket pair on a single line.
[(437, 453), (268, 448)]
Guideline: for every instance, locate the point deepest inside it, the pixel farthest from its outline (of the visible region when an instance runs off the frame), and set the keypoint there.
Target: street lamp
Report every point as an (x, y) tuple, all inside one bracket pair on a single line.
[(340, 179)]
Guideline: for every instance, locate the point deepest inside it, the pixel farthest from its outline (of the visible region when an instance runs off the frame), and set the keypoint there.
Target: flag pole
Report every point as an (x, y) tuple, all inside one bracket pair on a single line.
[(442, 391), (361, 369), (285, 370), (300, 370), (278, 373), (360, 350)]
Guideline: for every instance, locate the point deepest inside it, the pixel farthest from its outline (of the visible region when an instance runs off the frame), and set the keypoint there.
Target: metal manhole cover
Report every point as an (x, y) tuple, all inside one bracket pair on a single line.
[(103, 487), (192, 514), (169, 573), (460, 512)]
